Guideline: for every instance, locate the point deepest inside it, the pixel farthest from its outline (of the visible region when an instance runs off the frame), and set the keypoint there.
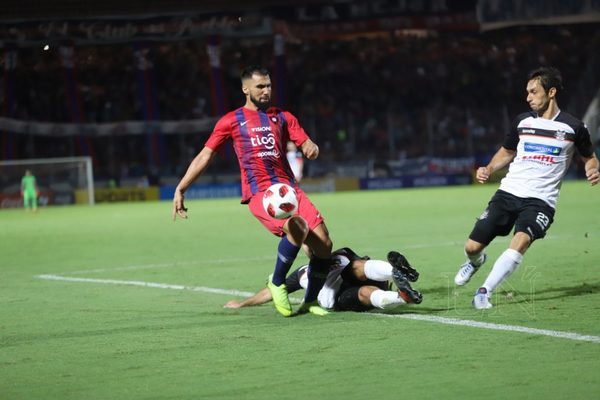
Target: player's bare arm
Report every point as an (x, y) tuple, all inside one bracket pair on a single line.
[(196, 168), (591, 169), (502, 158), (310, 149), (261, 297)]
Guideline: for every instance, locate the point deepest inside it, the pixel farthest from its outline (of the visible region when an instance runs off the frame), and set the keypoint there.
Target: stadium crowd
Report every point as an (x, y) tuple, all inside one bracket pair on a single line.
[(379, 97)]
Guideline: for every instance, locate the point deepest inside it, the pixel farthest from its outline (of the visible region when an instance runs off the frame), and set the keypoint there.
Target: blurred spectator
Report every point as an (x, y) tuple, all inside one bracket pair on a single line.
[(384, 97), (295, 159)]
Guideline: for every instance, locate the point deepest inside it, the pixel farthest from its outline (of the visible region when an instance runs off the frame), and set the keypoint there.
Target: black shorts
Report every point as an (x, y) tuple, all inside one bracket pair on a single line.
[(347, 297), (505, 211), (292, 281)]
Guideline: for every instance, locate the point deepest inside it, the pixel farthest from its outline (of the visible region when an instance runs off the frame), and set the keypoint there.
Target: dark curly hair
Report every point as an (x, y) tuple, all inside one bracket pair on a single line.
[(549, 77)]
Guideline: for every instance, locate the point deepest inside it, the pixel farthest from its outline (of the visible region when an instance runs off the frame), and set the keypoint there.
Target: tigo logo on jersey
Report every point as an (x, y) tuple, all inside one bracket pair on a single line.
[(542, 149), (266, 141)]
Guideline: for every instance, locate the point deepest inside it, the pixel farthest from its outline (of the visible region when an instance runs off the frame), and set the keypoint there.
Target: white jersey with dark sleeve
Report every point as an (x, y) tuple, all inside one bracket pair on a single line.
[(333, 283), (545, 148)]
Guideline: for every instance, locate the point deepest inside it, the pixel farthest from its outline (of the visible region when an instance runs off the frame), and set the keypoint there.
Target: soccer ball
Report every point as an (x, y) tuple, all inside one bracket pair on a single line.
[(280, 201)]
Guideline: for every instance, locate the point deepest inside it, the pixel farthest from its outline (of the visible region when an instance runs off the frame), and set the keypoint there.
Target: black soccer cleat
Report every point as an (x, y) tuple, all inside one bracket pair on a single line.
[(400, 262), (405, 291)]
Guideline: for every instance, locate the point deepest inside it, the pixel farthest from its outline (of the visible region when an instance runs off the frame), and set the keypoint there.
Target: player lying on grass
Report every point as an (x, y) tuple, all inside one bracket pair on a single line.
[(354, 283)]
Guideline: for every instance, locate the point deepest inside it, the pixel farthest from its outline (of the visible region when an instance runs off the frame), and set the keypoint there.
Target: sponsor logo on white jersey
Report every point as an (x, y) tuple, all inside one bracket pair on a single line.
[(541, 148), (541, 153), (540, 159)]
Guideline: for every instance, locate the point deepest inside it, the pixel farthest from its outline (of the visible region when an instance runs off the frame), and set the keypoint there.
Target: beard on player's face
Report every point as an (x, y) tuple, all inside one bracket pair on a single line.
[(540, 106), (262, 103)]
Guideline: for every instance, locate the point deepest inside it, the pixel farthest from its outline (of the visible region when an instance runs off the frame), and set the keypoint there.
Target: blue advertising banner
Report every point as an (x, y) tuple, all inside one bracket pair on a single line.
[(204, 191), (414, 181)]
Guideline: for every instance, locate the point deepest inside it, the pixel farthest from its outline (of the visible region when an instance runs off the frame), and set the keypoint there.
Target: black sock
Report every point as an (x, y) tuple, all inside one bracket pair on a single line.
[(318, 269)]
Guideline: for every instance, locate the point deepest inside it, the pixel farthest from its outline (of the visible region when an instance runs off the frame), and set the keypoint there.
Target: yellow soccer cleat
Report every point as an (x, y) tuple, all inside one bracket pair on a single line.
[(313, 308), (280, 297)]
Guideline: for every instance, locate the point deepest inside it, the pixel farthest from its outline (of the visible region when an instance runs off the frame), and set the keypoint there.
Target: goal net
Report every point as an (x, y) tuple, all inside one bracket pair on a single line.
[(67, 180)]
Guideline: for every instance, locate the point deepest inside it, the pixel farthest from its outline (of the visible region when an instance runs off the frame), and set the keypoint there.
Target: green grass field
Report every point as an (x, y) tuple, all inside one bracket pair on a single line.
[(96, 337)]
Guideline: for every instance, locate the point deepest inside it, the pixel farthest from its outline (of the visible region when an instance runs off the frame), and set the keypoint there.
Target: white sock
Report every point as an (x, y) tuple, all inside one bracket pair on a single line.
[(476, 259), (505, 265), (378, 270), (386, 299)]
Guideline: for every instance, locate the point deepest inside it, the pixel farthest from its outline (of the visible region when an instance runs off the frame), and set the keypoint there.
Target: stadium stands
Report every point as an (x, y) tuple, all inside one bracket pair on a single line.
[(388, 96)]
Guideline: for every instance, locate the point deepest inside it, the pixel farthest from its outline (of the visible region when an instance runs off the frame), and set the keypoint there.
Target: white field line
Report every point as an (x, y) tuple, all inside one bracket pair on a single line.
[(418, 317), (145, 284), (173, 264), (497, 327), (154, 285)]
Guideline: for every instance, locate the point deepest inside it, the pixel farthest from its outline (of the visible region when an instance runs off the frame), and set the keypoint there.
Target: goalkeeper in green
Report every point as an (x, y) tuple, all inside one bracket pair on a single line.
[(29, 191)]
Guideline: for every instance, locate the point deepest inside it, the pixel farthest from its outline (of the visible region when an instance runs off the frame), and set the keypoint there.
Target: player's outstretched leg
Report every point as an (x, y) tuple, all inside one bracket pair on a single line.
[(401, 263), (280, 297), (409, 294)]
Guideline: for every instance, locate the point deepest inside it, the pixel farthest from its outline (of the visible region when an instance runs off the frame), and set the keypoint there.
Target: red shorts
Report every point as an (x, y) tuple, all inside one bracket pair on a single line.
[(306, 210)]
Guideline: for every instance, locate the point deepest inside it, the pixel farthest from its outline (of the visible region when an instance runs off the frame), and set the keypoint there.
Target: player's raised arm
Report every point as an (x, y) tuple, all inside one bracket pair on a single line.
[(310, 149), (196, 168)]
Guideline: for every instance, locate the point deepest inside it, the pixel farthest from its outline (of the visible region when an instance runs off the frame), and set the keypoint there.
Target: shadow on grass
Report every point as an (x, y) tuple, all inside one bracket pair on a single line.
[(448, 296), (551, 293)]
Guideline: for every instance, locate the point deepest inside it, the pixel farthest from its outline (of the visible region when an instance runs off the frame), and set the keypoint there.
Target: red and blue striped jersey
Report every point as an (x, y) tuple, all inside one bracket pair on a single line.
[(259, 140)]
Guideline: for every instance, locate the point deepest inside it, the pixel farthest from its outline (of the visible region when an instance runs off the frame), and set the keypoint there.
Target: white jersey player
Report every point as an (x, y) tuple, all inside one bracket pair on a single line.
[(539, 149), (357, 283)]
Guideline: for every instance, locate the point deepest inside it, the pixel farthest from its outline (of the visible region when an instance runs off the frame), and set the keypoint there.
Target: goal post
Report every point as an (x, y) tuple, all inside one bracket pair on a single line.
[(60, 180)]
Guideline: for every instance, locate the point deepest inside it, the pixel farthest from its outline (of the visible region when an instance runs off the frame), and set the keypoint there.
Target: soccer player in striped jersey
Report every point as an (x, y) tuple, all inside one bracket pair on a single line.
[(539, 149), (354, 283), (259, 134)]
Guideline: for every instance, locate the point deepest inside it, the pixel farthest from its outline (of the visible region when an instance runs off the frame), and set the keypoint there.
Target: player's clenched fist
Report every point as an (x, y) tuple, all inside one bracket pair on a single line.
[(483, 174), (310, 149)]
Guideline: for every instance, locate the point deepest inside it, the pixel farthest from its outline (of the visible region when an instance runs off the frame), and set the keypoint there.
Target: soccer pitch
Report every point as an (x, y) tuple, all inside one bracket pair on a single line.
[(120, 302)]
